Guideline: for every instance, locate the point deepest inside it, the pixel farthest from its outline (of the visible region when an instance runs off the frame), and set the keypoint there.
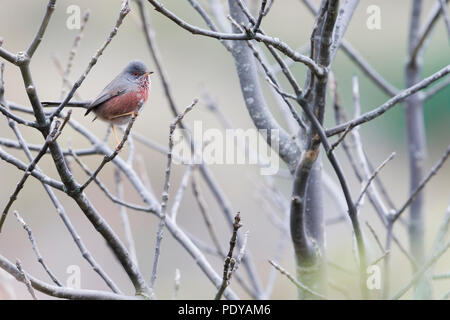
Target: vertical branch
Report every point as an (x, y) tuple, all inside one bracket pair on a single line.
[(40, 33), (73, 51), (125, 220), (229, 260), (308, 236), (165, 195), (444, 12), (416, 139)]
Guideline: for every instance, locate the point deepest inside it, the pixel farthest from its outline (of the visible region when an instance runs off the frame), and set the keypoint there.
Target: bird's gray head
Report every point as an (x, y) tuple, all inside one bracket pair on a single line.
[(136, 69)]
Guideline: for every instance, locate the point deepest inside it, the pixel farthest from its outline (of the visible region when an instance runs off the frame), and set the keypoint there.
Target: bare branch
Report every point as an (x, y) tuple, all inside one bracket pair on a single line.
[(295, 281), (40, 33), (111, 157), (356, 57), (10, 115), (346, 11), (425, 32), (436, 88), (36, 249), (25, 280), (203, 210), (72, 53), (262, 13), (444, 12), (275, 42), (229, 260), (424, 182), (417, 276), (51, 138), (390, 103), (165, 194), (210, 23), (371, 178), (180, 192), (383, 256), (60, 292), (375, 236), (108, 193), (124, 218)]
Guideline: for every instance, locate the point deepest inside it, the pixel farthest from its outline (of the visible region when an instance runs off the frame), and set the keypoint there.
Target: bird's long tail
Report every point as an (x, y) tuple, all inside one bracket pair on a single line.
[(72, 104)]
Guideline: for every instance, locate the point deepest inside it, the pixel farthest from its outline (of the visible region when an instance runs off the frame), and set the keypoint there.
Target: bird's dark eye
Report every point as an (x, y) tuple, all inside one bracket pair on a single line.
[(135, 74)]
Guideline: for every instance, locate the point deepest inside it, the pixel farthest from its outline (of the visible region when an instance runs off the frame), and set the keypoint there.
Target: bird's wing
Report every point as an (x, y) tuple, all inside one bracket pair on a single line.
[(77, 104), (113, 89)]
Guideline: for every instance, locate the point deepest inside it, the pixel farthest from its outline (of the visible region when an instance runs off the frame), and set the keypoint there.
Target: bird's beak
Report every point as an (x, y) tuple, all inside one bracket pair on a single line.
[(148, 73)]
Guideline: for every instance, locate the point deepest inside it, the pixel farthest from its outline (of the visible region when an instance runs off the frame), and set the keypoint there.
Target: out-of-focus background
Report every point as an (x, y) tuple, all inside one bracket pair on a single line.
[(196, 65)]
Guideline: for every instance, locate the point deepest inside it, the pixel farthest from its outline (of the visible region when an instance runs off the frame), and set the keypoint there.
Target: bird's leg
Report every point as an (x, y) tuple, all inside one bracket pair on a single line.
[(123, 115), (115, 136)]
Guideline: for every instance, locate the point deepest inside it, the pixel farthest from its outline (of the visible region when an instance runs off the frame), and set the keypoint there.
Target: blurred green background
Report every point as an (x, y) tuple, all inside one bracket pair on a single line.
[(196, 65)]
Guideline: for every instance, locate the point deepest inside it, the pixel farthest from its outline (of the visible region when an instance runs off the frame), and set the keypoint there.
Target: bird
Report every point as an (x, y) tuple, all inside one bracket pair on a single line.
[(120, 99)]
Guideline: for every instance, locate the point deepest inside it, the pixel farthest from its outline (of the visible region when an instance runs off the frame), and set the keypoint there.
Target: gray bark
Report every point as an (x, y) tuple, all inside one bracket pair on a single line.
[(417, 148), (315, 224), (253, 94)]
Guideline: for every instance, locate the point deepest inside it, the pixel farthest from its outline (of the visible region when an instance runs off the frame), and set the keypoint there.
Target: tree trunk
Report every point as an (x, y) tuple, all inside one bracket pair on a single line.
[(314, 277), (417, 149)]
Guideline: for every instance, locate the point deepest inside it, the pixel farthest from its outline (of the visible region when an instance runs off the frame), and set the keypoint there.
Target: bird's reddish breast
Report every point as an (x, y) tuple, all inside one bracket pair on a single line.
[(114, 107)]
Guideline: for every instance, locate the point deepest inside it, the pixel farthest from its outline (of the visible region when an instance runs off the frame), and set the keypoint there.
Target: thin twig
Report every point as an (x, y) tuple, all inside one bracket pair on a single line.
[(275, 42), (72, 53), (209, 22), (444, 12), (25, 280), (428, 177), (180, 192), (51, 138), (40, 33), (425, 31), (229, 260), (36, 249), (418, 275), (204, 212), (10, 115), (165, 194), (356, 57), (375, 236), (384, 255), (371, 178), (262, 13), (441, 276), (436, 88), (105, 190), (58, 292), (125, 220), (295, 281), (111, 157), (368, 116)]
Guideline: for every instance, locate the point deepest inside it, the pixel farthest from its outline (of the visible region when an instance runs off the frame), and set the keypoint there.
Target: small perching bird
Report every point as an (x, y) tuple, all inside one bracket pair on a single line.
[(121, 98)]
